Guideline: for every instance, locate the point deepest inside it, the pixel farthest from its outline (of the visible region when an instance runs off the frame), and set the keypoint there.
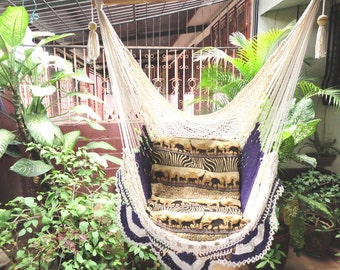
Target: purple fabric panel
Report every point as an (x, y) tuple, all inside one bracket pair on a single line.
[(258, 249), (189, 258), (250, 164), (143, 159), (126, 226)]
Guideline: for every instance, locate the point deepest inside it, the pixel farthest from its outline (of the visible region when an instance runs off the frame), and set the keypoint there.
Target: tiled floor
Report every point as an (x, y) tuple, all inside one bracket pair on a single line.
[(303, 262)]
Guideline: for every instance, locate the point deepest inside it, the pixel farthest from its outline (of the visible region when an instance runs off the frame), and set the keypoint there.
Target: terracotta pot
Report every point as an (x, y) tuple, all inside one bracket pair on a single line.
[(317, 239)]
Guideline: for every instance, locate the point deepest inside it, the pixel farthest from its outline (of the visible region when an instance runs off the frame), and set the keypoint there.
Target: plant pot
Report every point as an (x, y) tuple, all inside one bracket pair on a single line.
[(323, 161), (318, 239)]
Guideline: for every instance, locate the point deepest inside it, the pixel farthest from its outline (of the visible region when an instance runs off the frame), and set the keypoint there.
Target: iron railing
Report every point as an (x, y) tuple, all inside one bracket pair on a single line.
[(172, 71)]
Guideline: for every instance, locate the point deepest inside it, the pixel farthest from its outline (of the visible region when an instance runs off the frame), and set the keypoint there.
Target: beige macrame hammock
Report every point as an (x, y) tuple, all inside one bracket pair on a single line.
[(253, 120)]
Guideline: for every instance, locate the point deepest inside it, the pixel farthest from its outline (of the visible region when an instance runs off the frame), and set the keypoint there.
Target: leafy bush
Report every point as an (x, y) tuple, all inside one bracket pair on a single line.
[(72, 224)]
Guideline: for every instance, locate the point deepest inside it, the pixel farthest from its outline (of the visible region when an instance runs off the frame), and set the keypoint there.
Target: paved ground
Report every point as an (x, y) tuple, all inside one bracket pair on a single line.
[(302, 262)]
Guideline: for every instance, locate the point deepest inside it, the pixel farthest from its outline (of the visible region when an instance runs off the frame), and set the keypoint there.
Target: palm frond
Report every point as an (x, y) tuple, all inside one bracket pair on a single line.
[(332, 96), (307, 89), (209, 54)]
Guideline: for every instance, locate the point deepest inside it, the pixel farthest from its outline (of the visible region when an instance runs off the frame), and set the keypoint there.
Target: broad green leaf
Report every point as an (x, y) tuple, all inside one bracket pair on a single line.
[(42, 129), (38, 34), (80, 258), (51, 38), (81, 76), (13, 151), (42, 91), (95, 125), (91, 123), (5, 215), (30, 202), (84, 96), (84, 109), (300, 131), (95, 238), (101, 145), (315, 205), (98, 159), (36, 106), (3, 55), (30, 168), (83, 226), (60, 74), (13, 25), (113, 159), (71, 139), (304, 159), (22, 232), (302, 111), (6, 137), (58, 135)]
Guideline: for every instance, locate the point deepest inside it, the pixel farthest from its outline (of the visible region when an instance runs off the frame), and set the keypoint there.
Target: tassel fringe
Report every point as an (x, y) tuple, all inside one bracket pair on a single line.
[(93, 47), (321, 36)]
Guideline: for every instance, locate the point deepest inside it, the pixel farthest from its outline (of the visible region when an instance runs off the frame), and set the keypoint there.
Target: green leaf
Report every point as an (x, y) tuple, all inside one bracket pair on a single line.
[(64, 214), (30, 168), (5, 215), (83, 226), (3, 54), (84, 95), (98, 159), (315, 205), (88, 247), (13, 151), (95, 125), (42, 91), (60, 74), (81, 76), (113, 159), (30, 202), (100, 145), (42, 129), (22, 232), (95, 238), (91, 123), (13, 25), (304, 159), (84, 109), (6, 137), (80, 258), (71, 139)]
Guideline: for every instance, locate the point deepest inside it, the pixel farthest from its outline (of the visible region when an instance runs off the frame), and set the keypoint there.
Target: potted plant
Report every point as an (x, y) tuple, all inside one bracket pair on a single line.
[(309, 210), (23, 65), (324, 151)]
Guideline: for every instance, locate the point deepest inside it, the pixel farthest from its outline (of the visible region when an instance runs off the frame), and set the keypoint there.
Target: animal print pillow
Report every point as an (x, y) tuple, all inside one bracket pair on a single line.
[(195, 187)]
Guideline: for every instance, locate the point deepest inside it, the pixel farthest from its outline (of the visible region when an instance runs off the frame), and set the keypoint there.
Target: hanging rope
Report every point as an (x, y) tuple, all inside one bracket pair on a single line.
[(34, 16), (93, 47), (321, 37)]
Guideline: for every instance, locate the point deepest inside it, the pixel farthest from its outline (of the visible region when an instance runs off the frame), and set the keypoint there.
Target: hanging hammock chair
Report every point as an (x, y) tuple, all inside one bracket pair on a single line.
[(201, 190)]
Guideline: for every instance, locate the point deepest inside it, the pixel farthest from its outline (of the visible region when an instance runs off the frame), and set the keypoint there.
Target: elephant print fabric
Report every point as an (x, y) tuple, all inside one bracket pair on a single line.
[(195, 187)]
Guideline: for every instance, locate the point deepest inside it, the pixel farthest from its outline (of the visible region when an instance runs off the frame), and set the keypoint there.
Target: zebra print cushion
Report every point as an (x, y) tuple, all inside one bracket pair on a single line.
[(195, 187)]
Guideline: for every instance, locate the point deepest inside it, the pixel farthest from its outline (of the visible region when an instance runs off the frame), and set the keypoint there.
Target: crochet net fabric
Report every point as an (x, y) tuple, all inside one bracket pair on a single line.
[(202, 189)]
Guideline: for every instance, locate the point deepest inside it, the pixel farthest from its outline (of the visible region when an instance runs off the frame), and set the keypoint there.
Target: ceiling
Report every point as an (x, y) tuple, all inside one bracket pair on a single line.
[(156, 24)]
